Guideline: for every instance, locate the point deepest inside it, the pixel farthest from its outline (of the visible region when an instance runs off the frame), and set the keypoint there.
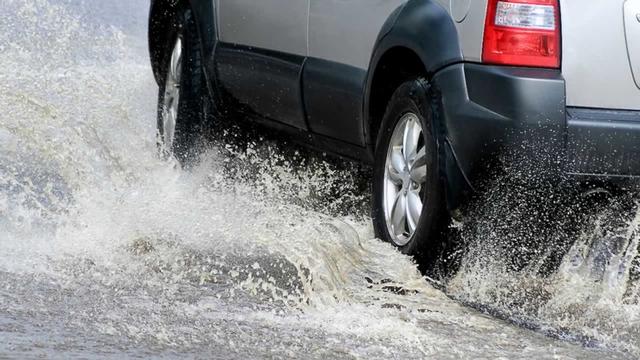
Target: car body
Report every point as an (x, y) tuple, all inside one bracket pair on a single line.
[(325, 70)]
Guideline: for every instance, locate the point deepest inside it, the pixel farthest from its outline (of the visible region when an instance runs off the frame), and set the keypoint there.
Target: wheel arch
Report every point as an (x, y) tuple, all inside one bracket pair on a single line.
[(418, 40), (161, 11), (420, 30)]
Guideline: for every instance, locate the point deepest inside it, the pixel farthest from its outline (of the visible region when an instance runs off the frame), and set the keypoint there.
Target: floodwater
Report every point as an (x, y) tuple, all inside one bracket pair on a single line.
[(108, 252)]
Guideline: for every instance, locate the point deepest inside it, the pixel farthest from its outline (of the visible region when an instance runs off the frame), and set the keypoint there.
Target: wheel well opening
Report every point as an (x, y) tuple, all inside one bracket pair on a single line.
[(396, 66)]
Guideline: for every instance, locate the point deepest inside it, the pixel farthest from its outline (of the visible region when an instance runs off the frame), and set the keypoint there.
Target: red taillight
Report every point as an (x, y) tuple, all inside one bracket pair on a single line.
[(522, 33)]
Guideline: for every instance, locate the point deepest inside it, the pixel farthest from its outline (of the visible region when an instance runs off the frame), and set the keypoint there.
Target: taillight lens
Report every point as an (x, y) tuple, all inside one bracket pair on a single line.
[(522, 33)]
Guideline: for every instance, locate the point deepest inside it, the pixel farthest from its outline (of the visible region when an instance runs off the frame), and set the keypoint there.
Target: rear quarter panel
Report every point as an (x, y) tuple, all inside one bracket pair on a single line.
[(345, 31), (595, 62)]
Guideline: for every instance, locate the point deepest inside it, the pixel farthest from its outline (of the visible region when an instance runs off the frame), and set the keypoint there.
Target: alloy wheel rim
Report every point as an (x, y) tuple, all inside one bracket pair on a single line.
[(404, 179), (171, 100)]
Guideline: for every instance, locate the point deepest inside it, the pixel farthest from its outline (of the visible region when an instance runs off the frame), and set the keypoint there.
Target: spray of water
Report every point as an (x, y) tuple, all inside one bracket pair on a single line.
[(106, 250), (556, 256)]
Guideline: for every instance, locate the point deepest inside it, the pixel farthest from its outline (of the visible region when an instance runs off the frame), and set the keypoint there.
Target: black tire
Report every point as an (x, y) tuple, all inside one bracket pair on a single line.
[(412, 97), (194, 107)]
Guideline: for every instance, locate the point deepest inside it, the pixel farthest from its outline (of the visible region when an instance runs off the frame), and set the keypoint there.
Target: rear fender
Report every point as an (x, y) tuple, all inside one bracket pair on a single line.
[(426, 28)]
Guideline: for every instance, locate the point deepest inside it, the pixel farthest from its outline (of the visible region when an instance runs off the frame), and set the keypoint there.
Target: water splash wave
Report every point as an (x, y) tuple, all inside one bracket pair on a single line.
[(105, 250)]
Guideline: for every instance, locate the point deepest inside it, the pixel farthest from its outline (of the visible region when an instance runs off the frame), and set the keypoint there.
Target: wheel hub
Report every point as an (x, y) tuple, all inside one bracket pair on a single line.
[(405, 177)]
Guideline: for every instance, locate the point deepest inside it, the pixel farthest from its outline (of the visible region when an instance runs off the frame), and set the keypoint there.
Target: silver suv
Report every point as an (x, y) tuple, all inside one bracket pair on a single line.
[(424, 90)]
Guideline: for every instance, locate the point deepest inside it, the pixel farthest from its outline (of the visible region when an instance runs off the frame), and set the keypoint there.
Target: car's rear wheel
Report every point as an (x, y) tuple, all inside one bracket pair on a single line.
[(408, 194), (183, 100)]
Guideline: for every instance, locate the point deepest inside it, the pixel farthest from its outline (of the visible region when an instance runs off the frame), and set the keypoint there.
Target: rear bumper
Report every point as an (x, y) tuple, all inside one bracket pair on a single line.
[(485, 108)]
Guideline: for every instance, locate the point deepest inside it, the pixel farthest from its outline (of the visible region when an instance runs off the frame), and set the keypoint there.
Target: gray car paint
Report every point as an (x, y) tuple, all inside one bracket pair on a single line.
[(471, 28), (279, 25), (345, 31), (595, 62), (632, 28), (460, 9), (599, 54)]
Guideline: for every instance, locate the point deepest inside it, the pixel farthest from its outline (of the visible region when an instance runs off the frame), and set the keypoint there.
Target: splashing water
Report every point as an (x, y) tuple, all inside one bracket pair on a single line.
[(107, 251), (555, 258)]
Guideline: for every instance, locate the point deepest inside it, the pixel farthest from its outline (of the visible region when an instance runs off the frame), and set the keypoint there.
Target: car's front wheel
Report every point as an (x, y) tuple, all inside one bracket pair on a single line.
[(182, 98), (408, 194)]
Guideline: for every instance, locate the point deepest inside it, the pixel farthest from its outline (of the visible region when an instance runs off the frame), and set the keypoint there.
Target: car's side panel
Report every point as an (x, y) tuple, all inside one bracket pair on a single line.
[(259, 60), (333, 99), (345, 31), (595, 60), (470, 16), (339, 65), (261, 81), (342, 37), (278, 25), (632, 32)]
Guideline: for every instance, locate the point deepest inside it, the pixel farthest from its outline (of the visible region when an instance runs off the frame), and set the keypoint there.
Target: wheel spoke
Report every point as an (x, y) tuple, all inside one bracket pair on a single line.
[(394, 176), (410, 140), (399, 214), (414, 209), (390, 198), (397, 166), (176, 62), (169, 127), (419, 167)]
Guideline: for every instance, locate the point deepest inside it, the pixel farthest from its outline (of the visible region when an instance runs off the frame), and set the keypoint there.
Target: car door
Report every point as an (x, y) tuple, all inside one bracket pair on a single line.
[(342, 35), (259, 58)]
